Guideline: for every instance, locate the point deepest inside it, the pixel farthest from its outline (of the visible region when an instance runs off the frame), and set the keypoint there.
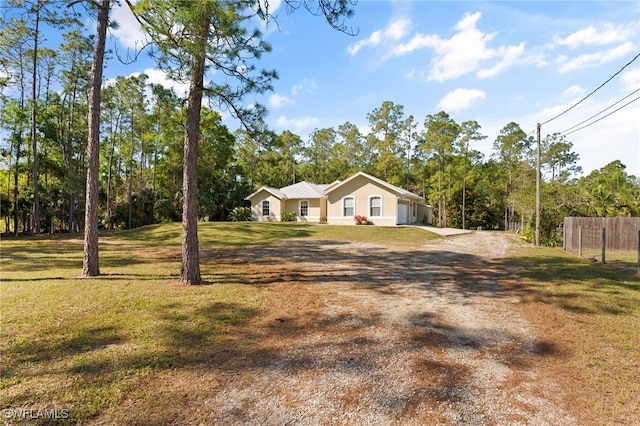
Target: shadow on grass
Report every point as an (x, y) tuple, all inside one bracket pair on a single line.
[(577, 285), (224, 234), (31, 255), (234, 338), (224, 338), (376, 268), (239, 234), (75, 342)]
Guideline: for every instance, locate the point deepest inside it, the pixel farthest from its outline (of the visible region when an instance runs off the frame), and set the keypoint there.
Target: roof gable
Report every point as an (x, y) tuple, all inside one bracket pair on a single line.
[(273, 191), (308, 190), (398, 191)]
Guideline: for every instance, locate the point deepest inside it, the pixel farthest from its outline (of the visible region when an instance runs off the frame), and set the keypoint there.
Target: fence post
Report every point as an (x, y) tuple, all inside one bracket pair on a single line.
[(580, 240), (638, 252), (604, 244)]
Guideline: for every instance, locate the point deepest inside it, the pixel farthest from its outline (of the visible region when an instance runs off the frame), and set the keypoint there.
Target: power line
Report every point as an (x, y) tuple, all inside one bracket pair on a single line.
[(594, 122), (595, 115), (597, 88)]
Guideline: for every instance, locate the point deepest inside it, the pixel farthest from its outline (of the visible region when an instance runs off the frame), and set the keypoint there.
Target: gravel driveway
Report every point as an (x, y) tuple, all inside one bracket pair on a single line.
[(372, 336)]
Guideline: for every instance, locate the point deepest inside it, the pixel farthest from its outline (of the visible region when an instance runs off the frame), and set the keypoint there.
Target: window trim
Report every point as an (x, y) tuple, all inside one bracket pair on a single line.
[(267, 204), (371, 197), (344, 207), (300, 208)]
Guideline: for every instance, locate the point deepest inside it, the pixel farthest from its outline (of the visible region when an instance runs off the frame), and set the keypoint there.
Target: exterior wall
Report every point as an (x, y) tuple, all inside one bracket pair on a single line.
[(362, 189), (425, 214), (394, 210), (274, 206), (317, 209)]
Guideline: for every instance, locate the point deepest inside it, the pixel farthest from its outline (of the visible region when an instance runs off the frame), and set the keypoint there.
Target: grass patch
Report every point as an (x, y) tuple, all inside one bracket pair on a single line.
[(622, 260), (225, 234), (134, 335), (593, 313), (91, 345), (400, 238)]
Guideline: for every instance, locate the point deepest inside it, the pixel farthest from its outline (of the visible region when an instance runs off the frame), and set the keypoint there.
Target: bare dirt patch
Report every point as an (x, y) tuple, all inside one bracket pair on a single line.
[(361, 334)]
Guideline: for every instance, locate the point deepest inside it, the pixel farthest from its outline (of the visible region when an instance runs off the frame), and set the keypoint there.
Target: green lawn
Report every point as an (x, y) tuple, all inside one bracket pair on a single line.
[(91, 345), (627, 260), (592, 312)]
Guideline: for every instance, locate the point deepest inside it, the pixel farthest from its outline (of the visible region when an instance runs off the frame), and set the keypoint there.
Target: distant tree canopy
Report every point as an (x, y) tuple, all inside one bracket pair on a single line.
[(142, 128)]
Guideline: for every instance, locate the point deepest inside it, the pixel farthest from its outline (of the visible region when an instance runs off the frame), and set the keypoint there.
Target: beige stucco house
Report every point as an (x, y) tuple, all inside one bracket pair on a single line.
[(304, 198), (338, 203)]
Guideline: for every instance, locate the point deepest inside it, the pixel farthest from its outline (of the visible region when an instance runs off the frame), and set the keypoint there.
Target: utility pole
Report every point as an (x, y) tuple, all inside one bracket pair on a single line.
[(538, 187)]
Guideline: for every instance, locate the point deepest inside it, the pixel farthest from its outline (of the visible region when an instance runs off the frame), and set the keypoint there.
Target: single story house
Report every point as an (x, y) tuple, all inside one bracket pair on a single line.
[(339, 202)]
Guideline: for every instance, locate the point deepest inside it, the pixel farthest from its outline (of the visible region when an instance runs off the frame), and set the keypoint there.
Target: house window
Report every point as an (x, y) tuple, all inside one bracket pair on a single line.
[(348, 206), (304, 208), (375, 206), (415, 209), (265, 208)]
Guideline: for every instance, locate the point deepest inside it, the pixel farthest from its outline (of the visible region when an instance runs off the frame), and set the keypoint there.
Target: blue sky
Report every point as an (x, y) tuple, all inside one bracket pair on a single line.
[(494, 62)]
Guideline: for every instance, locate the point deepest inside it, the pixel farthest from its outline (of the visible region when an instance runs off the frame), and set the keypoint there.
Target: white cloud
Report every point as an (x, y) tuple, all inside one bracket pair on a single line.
[(414, 73), (588, 60), (278, 101), (591, 35), (305, 86), (271, 6), (157, 76), (510, 56), (464, 52), (129, 32), (296, 124), (554, 110), (631, 79), (395, 31), (460, 99), (373, 40), (269, 26), (419, 41), (574, 90), (615, 137)]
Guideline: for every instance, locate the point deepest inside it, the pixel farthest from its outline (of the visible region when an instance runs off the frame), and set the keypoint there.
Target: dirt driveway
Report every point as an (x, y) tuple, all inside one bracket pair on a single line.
[(365, 335)]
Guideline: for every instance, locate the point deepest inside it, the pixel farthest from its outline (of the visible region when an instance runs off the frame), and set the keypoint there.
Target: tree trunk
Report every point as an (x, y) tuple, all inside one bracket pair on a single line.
[(16, 228), (7, 219), (34, 129), (90, 264), (109, 178), (464, 194), (190, 272), (130, 186), (68, 163)]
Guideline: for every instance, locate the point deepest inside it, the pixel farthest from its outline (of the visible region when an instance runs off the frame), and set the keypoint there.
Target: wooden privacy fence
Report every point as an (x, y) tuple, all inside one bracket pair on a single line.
[(621, 233)]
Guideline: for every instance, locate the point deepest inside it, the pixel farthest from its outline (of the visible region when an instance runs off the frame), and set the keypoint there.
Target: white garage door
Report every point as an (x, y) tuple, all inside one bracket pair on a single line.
[(403, 214)]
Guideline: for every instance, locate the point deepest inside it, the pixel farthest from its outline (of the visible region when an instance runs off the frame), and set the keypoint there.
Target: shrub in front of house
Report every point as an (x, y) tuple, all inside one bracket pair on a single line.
[(362, 220), (240, 214), (288, 216)]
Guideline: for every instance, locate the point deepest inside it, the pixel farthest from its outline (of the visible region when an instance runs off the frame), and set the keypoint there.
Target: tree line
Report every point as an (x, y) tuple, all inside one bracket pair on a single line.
[(44, 121)]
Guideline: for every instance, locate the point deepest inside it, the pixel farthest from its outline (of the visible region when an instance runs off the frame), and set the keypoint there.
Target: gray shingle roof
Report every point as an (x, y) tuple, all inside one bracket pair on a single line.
[(307, 190)]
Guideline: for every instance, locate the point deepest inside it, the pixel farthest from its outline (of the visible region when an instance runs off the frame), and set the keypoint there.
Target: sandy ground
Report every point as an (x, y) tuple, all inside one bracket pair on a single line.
[(403, 338), (365, 335)]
